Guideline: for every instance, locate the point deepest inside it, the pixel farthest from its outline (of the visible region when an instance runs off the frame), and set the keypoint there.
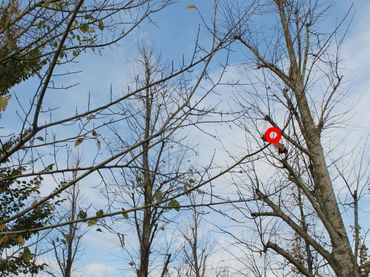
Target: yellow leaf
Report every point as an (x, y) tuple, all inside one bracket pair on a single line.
[(4, 102), (191, 6), (91, 222), (20, 240), (68, 237), (79, 141)]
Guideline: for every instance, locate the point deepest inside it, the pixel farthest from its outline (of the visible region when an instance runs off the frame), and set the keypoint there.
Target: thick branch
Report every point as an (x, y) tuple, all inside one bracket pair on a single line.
[(293, 225), (289, 257)]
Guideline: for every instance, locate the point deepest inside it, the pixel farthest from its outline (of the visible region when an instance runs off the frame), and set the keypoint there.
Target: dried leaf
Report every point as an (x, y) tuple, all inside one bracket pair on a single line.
[(79, 141), (191, 6), (121, 238), (94, 133), (98, 143)]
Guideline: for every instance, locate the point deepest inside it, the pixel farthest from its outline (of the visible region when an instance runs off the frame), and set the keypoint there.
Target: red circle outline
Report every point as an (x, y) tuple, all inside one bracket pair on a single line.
[(268, 135)]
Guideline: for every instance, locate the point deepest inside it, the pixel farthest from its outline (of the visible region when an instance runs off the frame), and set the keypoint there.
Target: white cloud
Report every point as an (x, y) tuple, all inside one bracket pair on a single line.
[(97, 270)]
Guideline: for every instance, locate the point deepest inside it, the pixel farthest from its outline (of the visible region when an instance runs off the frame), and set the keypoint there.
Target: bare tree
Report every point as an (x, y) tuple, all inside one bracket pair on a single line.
[(297, 67), (32, 137), (160, 169), (67, 242), (197, 248)]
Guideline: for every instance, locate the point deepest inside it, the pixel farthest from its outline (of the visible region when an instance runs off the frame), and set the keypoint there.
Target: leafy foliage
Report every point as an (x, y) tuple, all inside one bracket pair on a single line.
[(16, 64), (15, 195)]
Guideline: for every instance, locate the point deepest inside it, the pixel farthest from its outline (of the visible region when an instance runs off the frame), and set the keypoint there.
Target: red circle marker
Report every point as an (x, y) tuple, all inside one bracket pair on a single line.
[(268, 133)]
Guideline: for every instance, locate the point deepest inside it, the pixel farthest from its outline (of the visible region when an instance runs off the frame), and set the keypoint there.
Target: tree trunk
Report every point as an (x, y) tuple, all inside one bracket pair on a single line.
[(343, 261), (146, 227), (145, 246)]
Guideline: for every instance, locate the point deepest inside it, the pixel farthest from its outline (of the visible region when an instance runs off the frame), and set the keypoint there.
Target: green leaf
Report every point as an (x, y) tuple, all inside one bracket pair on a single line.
[(40, 24), (101, 25), (158, 196), (191, 6), (174, 204), (26, 255), (125, 214), (99, 230), (68, 237), (82, 214), (84, 27), (40, 138), (99, 213)]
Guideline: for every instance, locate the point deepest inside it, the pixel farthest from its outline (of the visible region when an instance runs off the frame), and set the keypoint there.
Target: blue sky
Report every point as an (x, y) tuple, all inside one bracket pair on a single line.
[(172, 36)]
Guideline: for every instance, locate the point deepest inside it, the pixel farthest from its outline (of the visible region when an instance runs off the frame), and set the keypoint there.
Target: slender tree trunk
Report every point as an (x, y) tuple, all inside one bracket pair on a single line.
[(72, 229), (146, 227), (145, 245)]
